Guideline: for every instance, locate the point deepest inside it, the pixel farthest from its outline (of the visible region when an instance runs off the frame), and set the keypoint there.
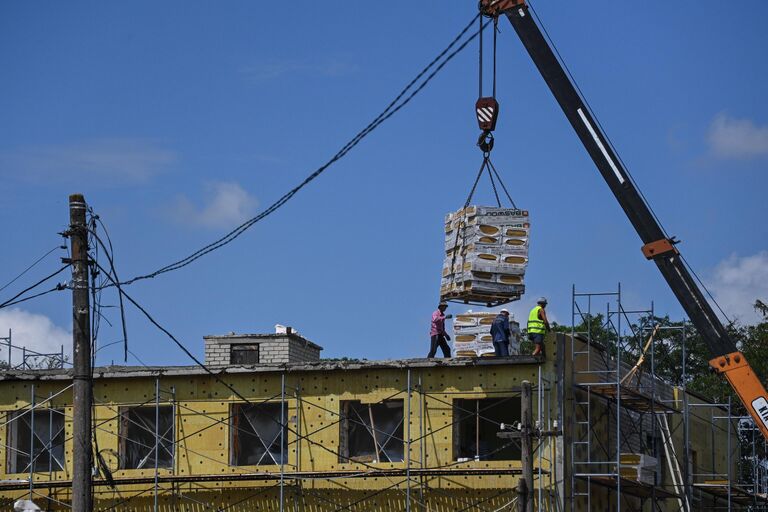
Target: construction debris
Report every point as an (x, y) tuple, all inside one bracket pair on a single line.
[(486, 254)]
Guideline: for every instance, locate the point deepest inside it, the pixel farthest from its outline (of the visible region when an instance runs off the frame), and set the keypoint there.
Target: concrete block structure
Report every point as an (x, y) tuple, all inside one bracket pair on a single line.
[(253, 349)]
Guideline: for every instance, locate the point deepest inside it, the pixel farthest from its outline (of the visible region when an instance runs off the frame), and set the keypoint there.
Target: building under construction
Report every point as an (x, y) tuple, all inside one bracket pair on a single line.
[(274, 427)]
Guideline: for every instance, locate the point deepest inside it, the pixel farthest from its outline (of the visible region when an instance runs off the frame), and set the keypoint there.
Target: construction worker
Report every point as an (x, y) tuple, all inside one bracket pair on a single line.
[(538, 325), (437, 333), (501, 333)]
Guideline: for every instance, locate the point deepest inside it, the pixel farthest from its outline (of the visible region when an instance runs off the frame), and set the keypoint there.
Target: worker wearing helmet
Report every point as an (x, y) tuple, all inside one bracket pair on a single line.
[(437, 333), (538, 325), (501, 333)]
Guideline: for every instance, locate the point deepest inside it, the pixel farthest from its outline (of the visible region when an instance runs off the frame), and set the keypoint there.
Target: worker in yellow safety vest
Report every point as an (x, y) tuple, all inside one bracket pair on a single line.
[(538, 325)]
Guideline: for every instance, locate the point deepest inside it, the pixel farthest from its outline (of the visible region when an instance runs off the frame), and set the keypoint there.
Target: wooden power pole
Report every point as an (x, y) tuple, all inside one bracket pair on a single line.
[(81, 336)]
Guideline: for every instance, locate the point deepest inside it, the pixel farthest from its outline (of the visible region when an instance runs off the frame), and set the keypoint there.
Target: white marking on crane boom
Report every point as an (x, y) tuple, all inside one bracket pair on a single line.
[(600, 145), (760, 405)]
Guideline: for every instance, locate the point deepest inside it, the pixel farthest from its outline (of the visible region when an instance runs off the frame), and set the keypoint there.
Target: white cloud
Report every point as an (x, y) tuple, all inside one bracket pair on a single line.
[(225, 205), (33, 331), (738, 281), (730, 137), (111, 162)]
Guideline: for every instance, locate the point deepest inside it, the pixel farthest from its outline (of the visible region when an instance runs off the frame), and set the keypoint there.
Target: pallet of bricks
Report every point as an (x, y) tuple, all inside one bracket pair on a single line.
[(472, 335), (486, 254)]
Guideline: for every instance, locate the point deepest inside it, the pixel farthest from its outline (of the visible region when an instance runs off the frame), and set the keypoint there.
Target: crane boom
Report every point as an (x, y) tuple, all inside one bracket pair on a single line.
[(726, 359)]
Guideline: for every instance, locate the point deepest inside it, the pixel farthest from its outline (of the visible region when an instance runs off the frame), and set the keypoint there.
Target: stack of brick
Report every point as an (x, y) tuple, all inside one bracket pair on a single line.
[(472, 334), (486, 254)]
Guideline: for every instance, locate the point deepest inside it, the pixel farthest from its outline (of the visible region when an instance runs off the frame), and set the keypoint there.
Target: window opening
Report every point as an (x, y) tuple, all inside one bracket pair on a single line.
[(139, 433), (371, 432), (256, 434), (45, 437), (476, 423), (244, 354)]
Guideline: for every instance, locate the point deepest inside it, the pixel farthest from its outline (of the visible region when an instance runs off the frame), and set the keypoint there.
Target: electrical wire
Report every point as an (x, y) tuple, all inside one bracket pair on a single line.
[(41, 258), (10, 302), (401, 100), (109, 252)]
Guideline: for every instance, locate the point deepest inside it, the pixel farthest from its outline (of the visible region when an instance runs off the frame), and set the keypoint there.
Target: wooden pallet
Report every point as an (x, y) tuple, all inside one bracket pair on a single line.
[(478, 299)]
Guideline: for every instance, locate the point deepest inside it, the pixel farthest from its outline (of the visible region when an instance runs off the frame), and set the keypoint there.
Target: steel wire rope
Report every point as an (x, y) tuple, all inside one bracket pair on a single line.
[(10, 302), (504, 187), (493, 183), (388, 112), (709, 294), (480, 56), (610, 142)]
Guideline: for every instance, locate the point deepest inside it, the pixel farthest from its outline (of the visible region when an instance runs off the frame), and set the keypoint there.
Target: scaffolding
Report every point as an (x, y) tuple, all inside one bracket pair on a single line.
[(416, 481), (643, 414), (31, 359), (639, 406)]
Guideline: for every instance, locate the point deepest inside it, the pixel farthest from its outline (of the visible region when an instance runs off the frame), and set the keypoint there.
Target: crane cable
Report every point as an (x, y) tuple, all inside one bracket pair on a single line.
[(486, 141)]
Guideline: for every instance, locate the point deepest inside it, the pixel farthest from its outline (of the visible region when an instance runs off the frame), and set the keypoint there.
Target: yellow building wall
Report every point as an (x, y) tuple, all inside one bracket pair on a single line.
[(202, 434)]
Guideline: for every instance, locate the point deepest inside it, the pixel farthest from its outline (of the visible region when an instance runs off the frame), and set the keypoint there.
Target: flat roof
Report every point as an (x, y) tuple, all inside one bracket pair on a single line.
[(120, 372)]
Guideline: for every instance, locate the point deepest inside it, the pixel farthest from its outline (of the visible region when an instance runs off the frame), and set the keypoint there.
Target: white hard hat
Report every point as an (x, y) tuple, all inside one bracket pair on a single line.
[(504, 311)]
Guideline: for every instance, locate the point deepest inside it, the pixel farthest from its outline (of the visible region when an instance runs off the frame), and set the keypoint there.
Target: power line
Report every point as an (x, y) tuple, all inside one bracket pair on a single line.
[(56, 288), (109, 252), (10, 301), (38, 260), (402, 99)]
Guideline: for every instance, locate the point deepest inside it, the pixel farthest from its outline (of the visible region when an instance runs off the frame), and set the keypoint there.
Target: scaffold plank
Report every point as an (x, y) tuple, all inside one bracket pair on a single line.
[(739, 495), (630, 487), (630, 398)]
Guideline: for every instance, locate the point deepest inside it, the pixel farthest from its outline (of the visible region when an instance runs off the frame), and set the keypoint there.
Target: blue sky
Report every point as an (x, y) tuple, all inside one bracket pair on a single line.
[(178, 120)]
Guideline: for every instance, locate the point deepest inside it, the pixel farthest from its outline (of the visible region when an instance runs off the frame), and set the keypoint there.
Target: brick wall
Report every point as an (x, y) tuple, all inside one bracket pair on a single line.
[(273, 348)]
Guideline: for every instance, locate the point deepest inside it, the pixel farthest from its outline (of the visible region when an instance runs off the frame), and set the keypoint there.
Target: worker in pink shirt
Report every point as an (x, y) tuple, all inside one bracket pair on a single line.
[(437, 333)]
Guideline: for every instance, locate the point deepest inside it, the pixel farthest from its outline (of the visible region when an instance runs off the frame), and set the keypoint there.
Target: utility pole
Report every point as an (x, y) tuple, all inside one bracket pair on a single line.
[(81, 357)]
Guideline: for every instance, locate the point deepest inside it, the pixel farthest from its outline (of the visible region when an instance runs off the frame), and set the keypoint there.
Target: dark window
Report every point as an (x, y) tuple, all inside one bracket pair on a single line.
[(141, 434), (244, 354), (256, 434), (476, 425), (42, 437), (371, 432)]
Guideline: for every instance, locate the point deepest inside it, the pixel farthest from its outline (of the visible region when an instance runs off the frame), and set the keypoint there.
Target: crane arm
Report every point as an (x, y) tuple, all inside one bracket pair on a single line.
[(726, 359)]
